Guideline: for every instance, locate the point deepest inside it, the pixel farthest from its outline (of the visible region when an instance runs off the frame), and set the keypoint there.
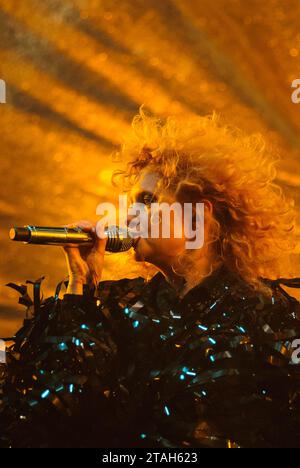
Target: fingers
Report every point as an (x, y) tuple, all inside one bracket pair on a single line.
[(91, 256), (86, 226), (71, 249), (89, 226)]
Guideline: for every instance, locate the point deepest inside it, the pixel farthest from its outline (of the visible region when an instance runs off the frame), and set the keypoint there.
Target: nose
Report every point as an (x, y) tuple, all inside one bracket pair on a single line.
[(137, 218), (133, 225)]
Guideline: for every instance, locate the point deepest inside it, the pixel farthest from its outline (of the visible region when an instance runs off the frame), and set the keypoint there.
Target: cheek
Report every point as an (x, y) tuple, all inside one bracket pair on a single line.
[(165, 227), (166, 246), (175, 246)]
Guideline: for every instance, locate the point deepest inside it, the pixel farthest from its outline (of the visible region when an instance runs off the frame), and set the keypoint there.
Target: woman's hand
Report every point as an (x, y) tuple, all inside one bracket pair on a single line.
[(85, 263)]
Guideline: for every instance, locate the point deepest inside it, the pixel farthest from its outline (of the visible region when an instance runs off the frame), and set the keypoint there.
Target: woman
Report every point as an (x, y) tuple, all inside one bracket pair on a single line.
[(201, 355)]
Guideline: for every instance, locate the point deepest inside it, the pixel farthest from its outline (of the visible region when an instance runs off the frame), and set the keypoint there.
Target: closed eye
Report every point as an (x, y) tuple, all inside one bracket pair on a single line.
[(146, 197)]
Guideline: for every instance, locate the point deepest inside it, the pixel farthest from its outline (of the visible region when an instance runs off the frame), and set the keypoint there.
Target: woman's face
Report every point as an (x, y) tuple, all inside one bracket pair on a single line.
[(162, 251)]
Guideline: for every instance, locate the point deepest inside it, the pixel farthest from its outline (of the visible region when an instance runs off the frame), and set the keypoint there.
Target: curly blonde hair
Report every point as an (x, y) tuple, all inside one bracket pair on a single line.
[(252, 229)]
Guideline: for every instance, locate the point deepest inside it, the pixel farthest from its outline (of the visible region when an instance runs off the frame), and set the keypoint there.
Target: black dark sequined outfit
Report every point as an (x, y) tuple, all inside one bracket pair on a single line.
[(138, 367)]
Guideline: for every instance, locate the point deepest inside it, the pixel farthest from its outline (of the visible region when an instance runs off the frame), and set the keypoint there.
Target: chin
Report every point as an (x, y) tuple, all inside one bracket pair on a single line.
[(140, 253)]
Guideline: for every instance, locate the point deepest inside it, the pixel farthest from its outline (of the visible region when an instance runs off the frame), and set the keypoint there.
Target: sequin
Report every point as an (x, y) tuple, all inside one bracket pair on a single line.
[(140, 345)]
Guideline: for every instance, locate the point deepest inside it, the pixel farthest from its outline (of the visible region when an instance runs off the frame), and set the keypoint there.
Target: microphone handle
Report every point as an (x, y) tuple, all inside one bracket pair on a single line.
[(118, 239)]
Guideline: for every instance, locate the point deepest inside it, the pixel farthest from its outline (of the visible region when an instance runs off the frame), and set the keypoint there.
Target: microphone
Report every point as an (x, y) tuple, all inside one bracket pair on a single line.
[(118, 239)]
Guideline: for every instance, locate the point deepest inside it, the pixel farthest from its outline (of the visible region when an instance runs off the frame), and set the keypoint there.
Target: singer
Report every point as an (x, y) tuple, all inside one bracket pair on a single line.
[(199, 355)]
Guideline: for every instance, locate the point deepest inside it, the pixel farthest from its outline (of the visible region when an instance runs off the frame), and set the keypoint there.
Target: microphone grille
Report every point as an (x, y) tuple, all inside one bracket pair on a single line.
[(118, 239)]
